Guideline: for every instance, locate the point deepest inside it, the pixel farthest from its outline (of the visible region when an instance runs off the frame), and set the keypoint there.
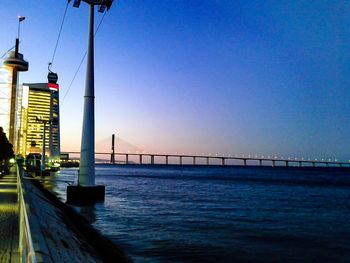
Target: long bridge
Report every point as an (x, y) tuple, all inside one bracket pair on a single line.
[(185, 159)]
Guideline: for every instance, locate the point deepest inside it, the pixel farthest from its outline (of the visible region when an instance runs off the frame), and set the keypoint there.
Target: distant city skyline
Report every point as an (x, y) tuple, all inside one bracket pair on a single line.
[(227, 77)]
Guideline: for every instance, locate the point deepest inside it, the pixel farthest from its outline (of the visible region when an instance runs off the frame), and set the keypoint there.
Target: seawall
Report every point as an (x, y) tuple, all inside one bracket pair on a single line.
[(60, 234)]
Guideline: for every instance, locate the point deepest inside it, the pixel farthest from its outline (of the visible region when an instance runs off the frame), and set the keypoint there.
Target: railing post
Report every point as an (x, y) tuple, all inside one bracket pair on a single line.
[(287, 163), (300, 163), (140, 157), (260, 162), (245, 162), (152, 159), (194, 160), (180, 160), (126, 158), (273, 163), (207, 160), (223, 161), (166, 159)]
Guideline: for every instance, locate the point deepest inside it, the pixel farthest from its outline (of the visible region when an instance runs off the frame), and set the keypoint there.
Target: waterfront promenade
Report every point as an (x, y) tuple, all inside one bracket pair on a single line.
[(35, 226), (9, 218)]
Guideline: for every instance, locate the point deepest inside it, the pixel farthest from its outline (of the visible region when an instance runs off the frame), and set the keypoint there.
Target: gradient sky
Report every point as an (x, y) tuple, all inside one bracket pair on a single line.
[(201, 76)]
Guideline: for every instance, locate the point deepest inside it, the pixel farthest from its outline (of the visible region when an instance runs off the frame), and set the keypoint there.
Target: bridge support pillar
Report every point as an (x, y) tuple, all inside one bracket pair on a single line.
[(140, 158), (245, 162), (287, 163), (273, 163), (194, 160), (207, 160), (152, 159), (223, 161), (260, 162), (127, 159), (166, 159)]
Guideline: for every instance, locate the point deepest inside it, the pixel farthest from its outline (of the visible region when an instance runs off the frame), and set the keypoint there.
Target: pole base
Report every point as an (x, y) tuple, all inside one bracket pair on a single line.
[(85, 195)]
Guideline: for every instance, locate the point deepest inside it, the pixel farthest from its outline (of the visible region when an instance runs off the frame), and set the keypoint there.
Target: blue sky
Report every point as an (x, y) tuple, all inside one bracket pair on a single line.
[(228, 77)]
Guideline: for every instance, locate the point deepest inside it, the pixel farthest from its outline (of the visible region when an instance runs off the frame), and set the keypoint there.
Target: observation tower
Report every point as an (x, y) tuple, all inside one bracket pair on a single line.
[(15, 63)]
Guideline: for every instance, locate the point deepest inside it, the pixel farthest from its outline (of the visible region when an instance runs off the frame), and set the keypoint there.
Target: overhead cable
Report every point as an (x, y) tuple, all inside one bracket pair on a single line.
[(59, 34), (81, 62), (7, 52)]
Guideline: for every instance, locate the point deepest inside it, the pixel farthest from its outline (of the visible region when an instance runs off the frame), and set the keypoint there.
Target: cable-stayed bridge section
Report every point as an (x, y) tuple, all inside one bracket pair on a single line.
[(188, 159)]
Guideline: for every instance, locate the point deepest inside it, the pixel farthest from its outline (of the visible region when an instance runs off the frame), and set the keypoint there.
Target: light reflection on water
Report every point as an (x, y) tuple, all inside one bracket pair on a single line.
[(220, 214)]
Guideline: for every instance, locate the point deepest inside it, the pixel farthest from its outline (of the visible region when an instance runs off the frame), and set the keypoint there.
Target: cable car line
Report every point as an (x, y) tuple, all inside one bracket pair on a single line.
[(59, 34), (7, 52), (81, 62)]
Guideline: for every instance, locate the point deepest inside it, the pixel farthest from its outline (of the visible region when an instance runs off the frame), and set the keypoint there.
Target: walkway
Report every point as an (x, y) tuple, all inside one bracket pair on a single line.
[(9, 218)]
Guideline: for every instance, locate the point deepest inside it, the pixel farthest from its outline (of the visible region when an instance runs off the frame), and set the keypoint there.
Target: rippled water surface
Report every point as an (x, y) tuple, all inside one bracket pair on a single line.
[(222, 214)]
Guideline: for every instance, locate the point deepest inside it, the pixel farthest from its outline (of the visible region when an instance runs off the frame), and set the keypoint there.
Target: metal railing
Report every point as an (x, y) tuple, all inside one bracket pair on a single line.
[(26, 247)]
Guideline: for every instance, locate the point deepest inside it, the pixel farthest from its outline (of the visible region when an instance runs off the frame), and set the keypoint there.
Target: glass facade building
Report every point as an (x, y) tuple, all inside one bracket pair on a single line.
[(39, 110)]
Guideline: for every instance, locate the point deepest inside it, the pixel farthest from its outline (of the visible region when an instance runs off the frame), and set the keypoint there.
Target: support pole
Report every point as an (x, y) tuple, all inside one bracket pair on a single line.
[(113, 153), (87, 155), (43, 151), (126, 158), (51, 152), (207, 160), (13, 99), (166, 159), (86, 192)]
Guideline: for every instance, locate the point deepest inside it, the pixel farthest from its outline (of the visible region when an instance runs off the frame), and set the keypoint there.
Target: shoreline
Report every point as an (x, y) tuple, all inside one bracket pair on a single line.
[(61, 234)]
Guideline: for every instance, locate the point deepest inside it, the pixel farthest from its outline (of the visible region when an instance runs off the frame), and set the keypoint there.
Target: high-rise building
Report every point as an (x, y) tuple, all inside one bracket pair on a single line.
[(39, 111)]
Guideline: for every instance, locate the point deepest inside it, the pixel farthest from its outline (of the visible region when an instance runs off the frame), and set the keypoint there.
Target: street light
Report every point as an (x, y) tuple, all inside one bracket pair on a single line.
[(43, 150)]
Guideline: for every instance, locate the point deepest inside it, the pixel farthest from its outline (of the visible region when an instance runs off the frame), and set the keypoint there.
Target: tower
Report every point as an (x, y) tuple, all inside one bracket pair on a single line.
[(15, 63), (86, 191)]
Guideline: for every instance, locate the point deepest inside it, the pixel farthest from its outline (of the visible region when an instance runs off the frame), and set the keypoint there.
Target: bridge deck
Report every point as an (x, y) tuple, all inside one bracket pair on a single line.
[(9, 218)]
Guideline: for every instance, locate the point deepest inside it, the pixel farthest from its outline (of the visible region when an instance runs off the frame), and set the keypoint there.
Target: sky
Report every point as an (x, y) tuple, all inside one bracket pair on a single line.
[(199, 76)]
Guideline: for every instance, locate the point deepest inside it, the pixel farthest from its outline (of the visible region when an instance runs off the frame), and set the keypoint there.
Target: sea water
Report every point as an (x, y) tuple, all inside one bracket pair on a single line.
[(221, 214)]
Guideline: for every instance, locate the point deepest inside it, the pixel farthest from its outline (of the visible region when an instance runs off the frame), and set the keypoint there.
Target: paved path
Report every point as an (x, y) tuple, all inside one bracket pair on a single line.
[(9, 218)]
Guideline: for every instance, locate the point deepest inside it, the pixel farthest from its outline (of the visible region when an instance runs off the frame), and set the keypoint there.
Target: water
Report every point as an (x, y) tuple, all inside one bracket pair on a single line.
[(220, 214)]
